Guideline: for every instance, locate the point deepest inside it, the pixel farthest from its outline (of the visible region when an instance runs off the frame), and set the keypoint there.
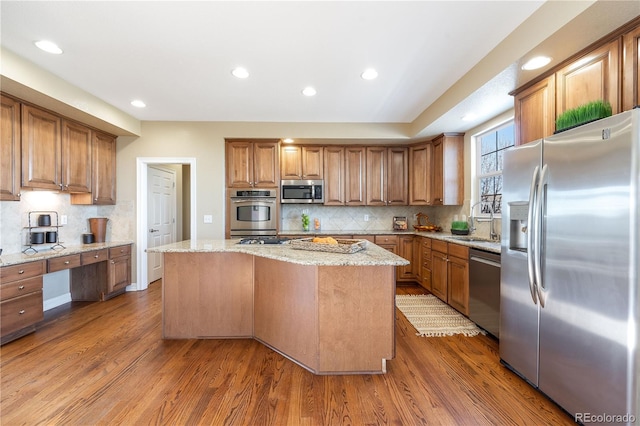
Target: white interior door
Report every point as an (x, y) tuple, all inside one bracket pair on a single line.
[(161, 222)]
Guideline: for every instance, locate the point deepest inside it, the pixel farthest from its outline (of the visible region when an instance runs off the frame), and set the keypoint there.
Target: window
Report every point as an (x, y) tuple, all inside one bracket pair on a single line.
[(490, 148)]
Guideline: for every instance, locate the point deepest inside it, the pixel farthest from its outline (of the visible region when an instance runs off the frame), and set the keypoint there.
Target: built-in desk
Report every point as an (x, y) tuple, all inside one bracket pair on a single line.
[(97, 272)]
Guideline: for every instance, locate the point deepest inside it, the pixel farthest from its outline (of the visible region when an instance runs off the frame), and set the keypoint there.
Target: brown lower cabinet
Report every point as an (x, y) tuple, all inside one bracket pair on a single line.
[(94, 275), (450, 274), (20, 299), (103, 274), (425, 254)]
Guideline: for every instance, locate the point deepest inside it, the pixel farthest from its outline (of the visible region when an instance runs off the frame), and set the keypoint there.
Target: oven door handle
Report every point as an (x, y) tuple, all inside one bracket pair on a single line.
[(253, 201)]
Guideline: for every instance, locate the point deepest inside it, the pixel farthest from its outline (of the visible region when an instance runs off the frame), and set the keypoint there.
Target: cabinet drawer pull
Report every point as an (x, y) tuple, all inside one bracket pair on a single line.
[(67, 262), (96, 256), (22, 311), (21, 287), (21, 271), (113, 262)]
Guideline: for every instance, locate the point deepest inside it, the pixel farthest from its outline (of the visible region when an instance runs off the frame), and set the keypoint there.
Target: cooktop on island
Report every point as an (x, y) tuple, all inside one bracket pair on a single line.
[(263, 240)]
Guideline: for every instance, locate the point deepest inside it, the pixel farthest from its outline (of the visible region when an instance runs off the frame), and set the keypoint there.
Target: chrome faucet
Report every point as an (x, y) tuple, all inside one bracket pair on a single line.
[(492, 232)]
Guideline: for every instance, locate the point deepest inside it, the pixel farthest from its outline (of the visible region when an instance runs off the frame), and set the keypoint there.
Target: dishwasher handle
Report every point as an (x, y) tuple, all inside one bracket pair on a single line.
[(485, 261)]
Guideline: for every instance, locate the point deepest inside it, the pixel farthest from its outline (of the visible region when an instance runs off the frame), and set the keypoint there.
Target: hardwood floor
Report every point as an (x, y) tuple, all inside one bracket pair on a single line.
[(105, 363)]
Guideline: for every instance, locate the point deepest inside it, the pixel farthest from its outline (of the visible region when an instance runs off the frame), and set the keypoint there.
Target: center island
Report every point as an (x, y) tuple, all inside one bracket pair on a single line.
[(331, 313)]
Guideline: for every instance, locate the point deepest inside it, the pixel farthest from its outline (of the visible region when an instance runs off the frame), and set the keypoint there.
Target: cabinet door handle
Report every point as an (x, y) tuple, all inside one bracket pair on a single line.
[(22, 311), (113, 262), (21, 287), (21, 271), (96, 256), (66, 262)]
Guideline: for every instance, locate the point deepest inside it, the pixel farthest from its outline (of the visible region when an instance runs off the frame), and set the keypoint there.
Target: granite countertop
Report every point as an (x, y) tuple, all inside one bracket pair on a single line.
[(372, 255), (465, 240), (19, 258)]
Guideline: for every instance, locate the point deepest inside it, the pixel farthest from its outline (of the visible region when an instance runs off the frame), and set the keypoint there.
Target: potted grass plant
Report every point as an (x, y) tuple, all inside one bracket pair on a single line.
[(583, 114)]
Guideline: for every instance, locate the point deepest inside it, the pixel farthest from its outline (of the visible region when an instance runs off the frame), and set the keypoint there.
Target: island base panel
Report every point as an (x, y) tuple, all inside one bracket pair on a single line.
[(207, 295), (357, 318), (328, 319), (285, 309)]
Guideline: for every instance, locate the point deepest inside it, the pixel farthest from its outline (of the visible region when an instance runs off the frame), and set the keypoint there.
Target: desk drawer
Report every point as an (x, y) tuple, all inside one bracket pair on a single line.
[(94, 256), (20, 312), (22, 271), (64, 262), (120, 251), (20, 288)]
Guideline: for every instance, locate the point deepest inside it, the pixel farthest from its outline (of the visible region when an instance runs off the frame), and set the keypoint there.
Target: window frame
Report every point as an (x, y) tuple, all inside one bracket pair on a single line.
[(476, 153)]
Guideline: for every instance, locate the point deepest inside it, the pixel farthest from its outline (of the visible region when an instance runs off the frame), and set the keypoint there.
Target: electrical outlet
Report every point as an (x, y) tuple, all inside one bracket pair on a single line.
[(305, 211), (63, 219), (366, 218), (208, 218)]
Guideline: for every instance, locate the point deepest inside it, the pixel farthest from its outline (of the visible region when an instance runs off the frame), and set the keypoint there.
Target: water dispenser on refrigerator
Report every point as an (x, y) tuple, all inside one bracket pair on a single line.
[(518, 227)]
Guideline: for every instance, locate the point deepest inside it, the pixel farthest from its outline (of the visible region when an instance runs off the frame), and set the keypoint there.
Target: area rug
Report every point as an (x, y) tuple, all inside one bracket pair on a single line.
[(433, 318)]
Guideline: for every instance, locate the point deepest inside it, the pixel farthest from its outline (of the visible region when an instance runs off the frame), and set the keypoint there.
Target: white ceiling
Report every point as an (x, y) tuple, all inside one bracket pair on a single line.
[(178, 57)]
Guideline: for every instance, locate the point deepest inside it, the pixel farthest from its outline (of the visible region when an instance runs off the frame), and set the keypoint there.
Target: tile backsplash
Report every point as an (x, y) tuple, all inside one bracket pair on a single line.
[(341, 218), (121, 226), (14, 217)]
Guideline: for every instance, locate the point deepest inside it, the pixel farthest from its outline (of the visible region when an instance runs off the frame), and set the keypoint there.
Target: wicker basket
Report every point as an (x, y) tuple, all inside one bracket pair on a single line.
[(343, 246)]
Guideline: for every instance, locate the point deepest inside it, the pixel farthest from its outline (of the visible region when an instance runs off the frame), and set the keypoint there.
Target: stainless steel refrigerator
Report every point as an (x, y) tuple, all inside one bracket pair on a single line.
[(569, 280)]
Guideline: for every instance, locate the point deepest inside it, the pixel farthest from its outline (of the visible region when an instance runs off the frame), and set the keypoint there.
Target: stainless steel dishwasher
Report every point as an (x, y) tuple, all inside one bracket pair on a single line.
[(484, 290)]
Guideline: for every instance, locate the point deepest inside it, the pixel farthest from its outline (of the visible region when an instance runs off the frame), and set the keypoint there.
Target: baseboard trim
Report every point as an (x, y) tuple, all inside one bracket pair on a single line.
[(57, 301)]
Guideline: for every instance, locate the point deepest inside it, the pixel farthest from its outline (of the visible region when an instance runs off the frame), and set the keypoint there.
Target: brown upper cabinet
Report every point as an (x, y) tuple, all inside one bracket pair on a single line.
[(41, 149), (62, 155), (607, 70), (355, 178), (387, 176), (448, 170), (76, 157), (301, 162), (535, 111), (334, 176), (103, 172), (10, 150), (420, 170), (252, 164), (591, 77), (630, 69)]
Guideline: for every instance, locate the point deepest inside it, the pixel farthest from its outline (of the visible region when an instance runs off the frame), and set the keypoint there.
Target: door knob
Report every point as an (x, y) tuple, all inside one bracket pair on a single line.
[(154, 230)]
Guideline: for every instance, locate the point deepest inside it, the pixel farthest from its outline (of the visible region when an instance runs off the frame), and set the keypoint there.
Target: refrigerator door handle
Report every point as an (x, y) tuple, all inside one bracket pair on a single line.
[(530, 231), (539, 217)]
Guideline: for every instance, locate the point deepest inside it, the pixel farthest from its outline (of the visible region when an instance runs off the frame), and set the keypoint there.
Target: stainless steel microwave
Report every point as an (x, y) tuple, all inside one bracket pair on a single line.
[(302, 191)]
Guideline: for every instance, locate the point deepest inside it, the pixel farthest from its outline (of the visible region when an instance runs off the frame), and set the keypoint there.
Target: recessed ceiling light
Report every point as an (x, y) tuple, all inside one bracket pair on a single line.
[(309, 91), (287, 140), (535, 63), (48, 46), (369, 74), (240, 72), (138, 103)]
